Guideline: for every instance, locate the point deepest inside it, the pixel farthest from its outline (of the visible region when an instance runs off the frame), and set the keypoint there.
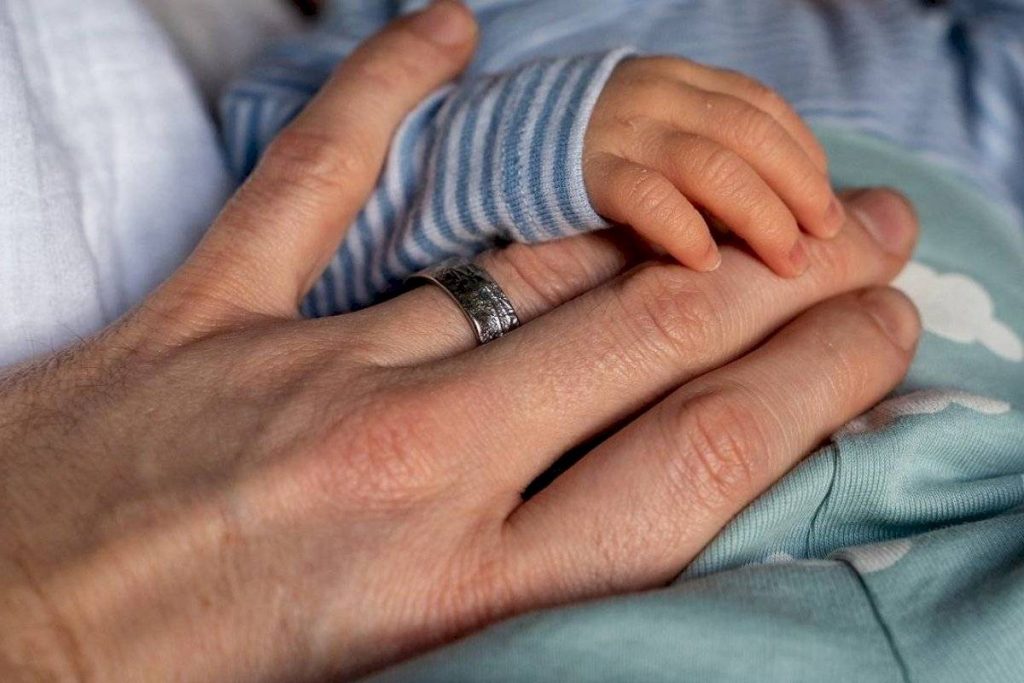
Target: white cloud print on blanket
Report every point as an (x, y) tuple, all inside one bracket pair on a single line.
[(958, 308), (924, 402)]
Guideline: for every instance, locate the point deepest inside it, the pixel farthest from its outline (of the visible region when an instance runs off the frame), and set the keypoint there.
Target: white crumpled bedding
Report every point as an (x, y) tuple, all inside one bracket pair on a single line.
[(218, 38), (110, 167)]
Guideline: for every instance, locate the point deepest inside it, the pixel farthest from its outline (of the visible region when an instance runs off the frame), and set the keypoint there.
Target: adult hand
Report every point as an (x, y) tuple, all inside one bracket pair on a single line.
[(214, 489)]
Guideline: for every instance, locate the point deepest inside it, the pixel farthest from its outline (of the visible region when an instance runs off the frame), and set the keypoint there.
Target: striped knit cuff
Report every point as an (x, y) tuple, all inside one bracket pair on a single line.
[(509, 149)]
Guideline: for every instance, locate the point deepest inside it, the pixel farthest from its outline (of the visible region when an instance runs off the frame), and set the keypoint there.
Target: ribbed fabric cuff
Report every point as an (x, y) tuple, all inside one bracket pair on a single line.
[(508, 155)]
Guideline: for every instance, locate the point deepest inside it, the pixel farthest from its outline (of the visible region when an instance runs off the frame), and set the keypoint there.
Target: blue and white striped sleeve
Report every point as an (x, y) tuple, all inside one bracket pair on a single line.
[(493, 159), (990, 51)]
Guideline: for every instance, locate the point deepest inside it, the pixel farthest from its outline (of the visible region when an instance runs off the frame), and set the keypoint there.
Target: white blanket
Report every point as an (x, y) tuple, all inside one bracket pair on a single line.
[(218, 38), (110, 168)]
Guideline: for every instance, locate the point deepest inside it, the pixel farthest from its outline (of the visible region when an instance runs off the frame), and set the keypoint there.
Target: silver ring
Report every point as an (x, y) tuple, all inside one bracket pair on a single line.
[(480, 298)]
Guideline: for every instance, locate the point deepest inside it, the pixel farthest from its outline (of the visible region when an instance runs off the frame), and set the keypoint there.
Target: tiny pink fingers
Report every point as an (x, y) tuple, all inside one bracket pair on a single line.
[(770, 150), (723, 183), (629, 193), (751, 90)]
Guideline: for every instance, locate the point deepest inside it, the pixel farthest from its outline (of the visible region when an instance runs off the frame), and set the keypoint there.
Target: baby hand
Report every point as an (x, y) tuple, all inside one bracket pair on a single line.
[(670, 138)]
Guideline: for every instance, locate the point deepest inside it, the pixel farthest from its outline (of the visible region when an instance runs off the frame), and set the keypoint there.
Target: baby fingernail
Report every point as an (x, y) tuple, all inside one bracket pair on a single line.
[(798, 257), (444, 22), (835, 216), (895, 315)]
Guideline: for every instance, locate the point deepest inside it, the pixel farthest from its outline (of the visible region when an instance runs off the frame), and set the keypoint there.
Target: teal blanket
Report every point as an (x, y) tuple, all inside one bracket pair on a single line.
[(894, 553)]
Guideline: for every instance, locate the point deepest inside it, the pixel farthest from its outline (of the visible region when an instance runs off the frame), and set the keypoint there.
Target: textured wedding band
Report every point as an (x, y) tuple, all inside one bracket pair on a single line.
[(480, 298)]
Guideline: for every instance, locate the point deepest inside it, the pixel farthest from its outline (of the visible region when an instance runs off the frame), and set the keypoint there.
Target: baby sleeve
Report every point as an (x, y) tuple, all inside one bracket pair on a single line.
[(491, 159), (988, 46)]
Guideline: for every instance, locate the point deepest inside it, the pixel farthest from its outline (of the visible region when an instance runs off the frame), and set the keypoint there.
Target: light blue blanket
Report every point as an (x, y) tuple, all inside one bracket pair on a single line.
[(894, 553)]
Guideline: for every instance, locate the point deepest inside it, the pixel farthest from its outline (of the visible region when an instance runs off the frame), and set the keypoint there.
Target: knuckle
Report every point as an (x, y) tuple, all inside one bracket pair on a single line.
[(667, 309), (393, 72), (380, 453), (776, 224), (650, 195), (812, 185), (314, 161), (723, 168), (755, 91), (756, 130), (816, 151), (764, 97), (717, 445)]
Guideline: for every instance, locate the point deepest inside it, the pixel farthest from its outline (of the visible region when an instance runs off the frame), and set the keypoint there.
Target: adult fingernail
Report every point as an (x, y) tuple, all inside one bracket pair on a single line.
[(798, 257), (444, 22), (887, 216), (895, 314), (712, 258)]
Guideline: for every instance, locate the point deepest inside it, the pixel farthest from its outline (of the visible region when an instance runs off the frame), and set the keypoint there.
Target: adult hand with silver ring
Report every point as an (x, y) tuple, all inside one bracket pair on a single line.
[(487, 308), (213, 489)]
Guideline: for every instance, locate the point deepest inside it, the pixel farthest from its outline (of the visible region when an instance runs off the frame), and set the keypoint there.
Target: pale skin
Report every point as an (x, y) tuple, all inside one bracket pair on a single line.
[(672, 142), (213, 489)]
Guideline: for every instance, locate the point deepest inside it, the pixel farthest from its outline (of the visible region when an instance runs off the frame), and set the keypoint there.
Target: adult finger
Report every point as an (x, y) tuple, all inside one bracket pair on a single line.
[(275, 237), (671, 480), (605, 355), (425, 324)]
